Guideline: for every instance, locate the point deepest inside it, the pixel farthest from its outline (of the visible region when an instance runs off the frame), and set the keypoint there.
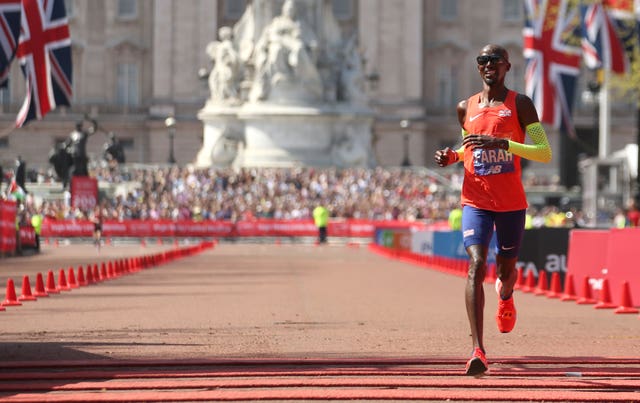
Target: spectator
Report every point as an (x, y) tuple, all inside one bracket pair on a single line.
[(321, 219), (455, 219), (21, 173), (620, 219), (167, 193), (633, 214)]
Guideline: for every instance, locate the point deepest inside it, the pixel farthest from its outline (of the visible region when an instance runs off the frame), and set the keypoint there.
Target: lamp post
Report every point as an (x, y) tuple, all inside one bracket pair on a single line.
[(593, 87), (404, 125), (591, 97), (170, 123)]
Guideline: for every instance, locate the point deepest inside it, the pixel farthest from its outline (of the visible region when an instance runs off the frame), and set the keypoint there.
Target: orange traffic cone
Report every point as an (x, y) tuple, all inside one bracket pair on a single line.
[(40, 291), (62, 281), (111, 272), (82, 281), (11, 299), (626, 306), (26, 291), (89, 276), (585, 298), (72, 279), (51, 284), (542, 284), (569, 289), (530, 283), (556, 287), (519, 280), (604, 301)]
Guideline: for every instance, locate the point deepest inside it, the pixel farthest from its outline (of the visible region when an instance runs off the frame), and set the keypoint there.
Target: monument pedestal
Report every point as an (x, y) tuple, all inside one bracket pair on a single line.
[(285, 136), (221, 135)]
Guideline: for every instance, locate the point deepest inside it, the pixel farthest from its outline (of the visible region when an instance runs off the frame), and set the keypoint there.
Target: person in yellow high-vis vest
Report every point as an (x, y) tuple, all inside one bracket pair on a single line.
[(321, 220), (36, 223)]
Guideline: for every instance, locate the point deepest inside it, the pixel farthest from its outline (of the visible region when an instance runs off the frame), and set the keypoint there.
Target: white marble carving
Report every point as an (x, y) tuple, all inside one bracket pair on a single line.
[(290, 91), (224, 76)]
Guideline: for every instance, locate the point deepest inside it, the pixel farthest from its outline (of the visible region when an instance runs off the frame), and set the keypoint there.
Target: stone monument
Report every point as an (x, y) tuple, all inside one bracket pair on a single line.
[(286, 89)]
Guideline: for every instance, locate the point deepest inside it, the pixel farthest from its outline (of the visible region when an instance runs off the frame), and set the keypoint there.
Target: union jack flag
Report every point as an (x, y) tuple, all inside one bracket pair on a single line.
[(553, 52), (44, 52), (601, 41), (9, 32), (625, 18)]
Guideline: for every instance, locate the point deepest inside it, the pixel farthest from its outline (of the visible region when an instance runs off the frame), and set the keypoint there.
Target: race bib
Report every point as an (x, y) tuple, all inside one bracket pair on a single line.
[(492, 162)]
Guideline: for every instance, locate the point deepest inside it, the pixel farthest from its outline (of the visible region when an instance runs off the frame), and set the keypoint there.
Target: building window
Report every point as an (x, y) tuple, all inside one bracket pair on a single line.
[(127, 87), (233, 9), (342, 9), (512, 10), (127, 9), (448, 10), (447, 87), (126, 143), (4, 142)]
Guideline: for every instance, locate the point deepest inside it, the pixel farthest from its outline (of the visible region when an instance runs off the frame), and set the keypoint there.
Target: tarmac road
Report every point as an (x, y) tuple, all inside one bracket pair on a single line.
[(288, 302)]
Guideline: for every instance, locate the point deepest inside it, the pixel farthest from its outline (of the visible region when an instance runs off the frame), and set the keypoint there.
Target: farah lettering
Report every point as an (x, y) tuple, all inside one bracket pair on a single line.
[(495, 156)]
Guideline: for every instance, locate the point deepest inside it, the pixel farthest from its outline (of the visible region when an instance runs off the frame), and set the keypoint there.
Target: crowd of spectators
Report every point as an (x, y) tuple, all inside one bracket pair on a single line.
[(188, 193)]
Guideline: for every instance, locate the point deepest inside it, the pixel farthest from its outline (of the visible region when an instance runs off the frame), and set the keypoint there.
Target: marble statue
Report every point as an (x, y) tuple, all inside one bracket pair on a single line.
[(352, 79), (286, 90), (285, 60), (223, 78), (78, 147)]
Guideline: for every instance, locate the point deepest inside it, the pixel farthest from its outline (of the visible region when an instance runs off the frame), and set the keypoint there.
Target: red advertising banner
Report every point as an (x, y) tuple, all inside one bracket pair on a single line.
[(84, 192), (214, 229), (8, 210), (622, 252), (600, 254), (27, 236)]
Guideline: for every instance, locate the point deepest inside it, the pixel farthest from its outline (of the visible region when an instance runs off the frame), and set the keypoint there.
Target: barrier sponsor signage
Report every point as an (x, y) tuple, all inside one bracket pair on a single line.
[(169, 228), (8, 211), (610, 254), (84, 192), (444, 244), (27, 236), (544, 249), (621, 263), (422, 243)]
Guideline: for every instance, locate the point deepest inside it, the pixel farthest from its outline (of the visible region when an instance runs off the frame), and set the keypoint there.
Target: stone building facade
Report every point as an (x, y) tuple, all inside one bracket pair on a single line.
[(137, 62)]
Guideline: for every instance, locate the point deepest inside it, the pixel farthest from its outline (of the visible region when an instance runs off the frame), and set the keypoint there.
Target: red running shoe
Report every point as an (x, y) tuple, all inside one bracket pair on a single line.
[(477, 365), (506, 316)]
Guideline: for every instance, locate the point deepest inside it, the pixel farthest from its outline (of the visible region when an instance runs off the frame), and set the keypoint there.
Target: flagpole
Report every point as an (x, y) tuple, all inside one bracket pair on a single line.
[(604, 140)]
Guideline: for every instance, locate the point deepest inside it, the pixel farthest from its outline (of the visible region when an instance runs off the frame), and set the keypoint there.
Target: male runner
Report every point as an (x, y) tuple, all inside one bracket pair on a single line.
[(494, 123)]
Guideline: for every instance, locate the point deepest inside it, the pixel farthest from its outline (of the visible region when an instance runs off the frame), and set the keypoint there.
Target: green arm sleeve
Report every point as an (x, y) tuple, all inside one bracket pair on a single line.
[(539, 151), (460, 150)]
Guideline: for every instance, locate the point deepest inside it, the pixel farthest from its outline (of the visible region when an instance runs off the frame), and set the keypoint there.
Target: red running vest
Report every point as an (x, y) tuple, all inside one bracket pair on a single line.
[(492, 178)]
